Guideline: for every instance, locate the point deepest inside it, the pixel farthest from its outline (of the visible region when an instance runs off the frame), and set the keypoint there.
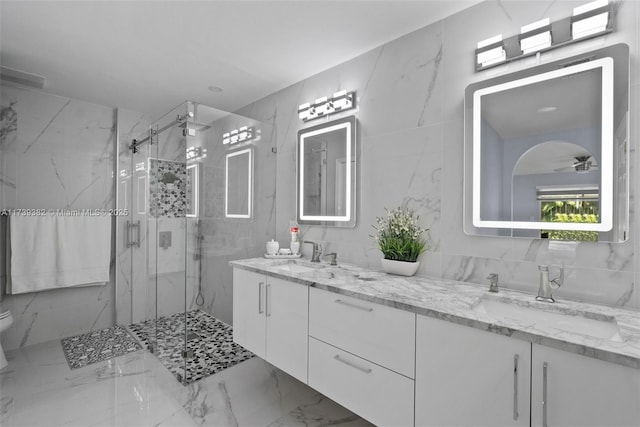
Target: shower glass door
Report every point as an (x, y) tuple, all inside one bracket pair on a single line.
[(168, 231), (151, 290), (174, 283)]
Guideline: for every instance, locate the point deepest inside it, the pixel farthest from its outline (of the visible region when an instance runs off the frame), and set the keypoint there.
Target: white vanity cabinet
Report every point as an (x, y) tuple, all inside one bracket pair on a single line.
[(582, 391), (362, 355), (270, 318), (465, 376), (468, 377)]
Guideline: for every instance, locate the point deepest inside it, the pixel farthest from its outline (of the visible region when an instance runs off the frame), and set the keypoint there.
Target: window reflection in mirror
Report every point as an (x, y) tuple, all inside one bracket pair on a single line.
[(326, 167), (239, 184), (545, 150)]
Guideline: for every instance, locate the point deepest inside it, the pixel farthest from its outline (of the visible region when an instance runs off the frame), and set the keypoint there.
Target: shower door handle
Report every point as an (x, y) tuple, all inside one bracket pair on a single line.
[(130, 228)]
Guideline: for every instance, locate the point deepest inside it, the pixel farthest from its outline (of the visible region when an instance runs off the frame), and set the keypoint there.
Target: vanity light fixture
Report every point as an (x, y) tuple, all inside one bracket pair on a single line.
[(490, 51), (196, 153), (535, 36), (340, 101), (588, 19), (245, 133)]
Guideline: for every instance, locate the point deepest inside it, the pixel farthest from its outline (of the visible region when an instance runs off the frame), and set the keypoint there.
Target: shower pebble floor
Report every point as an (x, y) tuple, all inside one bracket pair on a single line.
[(38, 388), (208, 339)]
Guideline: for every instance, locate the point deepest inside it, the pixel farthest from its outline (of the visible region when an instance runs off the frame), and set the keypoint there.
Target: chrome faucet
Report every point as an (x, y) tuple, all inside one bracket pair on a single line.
[(317, 250), (544, 291), (493, 285)]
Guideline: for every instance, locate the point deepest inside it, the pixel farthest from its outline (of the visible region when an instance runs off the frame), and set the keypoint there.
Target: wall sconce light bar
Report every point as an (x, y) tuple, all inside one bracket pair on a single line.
[(245, 133), (196, 153), (490, 51), (340, 101), (536, 36), (590, 20)]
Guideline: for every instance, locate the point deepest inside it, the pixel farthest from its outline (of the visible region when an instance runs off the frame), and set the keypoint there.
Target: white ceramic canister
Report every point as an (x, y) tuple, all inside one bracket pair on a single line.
[(272, 247)]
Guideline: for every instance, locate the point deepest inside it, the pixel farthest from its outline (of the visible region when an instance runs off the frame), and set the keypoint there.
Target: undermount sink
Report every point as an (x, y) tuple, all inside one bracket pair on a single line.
[(549, 319), (298, 267), (312, 271)]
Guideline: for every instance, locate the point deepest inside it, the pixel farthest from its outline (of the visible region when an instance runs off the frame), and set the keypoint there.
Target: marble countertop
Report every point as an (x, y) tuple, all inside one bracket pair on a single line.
[(462, 303)]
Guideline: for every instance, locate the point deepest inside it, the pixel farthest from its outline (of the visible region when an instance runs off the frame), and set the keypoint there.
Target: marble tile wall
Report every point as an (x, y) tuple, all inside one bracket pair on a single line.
[(56, 153), (410, 112)]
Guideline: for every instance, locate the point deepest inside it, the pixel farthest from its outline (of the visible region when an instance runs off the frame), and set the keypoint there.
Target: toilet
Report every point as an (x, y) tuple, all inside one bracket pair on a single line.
[(6, 319)]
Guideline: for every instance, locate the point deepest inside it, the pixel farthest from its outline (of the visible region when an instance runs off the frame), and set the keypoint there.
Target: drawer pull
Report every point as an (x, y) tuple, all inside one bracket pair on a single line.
[(353, 365), (515, 386), (349, 304), (545, 366)]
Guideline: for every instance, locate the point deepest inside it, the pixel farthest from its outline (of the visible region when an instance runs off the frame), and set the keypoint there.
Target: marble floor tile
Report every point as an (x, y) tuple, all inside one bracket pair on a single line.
[(39, 389)]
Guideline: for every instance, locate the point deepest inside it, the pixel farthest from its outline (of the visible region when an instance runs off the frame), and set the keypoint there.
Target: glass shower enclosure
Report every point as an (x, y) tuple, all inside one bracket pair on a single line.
[(193, 186)]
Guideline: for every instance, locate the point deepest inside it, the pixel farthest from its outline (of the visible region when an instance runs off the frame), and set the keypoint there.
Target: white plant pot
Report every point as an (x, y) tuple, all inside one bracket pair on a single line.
[(400, 268)]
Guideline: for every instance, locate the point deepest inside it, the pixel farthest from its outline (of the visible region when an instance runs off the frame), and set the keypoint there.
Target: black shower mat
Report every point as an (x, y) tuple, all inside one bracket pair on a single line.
[(85, 349)]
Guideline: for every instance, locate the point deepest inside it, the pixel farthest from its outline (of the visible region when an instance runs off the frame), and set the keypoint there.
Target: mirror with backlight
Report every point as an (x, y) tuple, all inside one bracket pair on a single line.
[(192, 191), (326, 174), (546, 150), (239, 184)]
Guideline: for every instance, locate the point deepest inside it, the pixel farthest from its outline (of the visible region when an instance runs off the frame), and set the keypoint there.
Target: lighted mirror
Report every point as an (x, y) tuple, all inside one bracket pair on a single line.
[(546, 150), (192, 190), (239, 184), (326, 174)]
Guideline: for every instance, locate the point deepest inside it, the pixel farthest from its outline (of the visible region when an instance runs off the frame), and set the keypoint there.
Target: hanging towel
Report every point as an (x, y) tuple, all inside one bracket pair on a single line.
[(50, 252)]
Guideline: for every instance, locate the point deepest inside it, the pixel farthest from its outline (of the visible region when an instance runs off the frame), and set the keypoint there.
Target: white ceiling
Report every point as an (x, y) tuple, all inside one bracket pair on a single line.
[(149, 56)]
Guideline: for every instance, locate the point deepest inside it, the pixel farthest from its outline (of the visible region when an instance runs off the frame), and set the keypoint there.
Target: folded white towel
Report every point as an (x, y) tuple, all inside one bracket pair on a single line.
[(49, 252)]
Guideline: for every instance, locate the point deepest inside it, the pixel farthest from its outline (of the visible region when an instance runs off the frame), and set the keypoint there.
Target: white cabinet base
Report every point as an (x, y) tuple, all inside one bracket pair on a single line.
[(582, 391), (467, 377)]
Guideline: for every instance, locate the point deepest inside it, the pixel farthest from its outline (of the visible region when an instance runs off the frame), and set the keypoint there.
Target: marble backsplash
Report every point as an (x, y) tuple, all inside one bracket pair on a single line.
[(410, 114)]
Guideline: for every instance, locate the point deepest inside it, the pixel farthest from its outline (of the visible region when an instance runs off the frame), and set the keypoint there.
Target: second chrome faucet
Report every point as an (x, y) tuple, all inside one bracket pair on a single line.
[(546, 284), (317, 250)]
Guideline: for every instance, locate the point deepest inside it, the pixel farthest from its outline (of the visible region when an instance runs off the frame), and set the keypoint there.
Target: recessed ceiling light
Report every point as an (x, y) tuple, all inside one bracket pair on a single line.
[(215, 89), (547, 109)]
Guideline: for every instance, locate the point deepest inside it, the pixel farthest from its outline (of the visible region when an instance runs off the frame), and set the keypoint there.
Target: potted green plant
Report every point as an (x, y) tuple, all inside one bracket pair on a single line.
[(399, 237)]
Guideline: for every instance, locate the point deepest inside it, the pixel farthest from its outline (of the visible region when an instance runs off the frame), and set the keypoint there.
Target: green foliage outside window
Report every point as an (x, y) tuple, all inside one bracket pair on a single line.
[(574, 212)]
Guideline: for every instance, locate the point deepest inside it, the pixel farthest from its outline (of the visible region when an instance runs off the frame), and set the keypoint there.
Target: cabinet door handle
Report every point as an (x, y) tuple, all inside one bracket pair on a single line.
[(260, 285), (515, 386), (349, 304), (353, 365), (544, 394), (267, 300)]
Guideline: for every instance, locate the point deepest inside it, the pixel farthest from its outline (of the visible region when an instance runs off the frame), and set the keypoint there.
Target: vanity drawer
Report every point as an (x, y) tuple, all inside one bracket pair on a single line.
[(375, 332), (379, 395)]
